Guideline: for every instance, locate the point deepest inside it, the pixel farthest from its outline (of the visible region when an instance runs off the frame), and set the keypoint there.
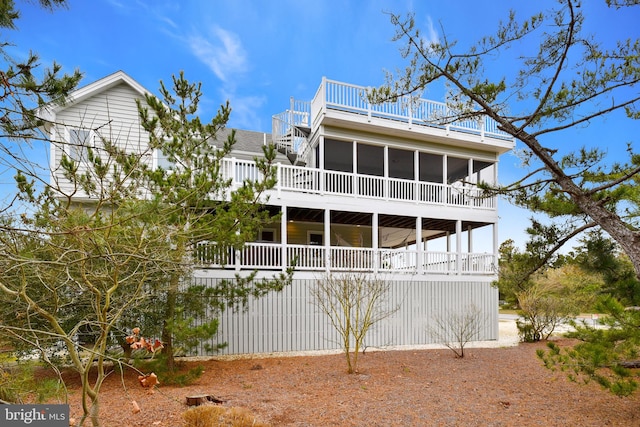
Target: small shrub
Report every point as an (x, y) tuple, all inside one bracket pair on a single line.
[(354, 303), (526, 332), (455, 330), (217, 416), (542, 312), (19, 385)]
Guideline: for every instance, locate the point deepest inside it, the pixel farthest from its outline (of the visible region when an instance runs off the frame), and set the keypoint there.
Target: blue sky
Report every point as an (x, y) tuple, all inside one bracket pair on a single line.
[(259, 53)]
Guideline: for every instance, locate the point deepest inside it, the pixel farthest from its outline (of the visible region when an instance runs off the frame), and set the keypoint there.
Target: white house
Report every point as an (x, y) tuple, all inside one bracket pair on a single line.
[(384, 190)]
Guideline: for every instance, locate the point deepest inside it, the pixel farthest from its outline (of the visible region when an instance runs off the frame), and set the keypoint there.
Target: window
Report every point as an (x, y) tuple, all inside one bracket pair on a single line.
[(267, 235), (483, 172), (338, 155), (431, 167), (401, 163), (315, 238), (457, 169), (79, 140), (161, 161), (370, 160)]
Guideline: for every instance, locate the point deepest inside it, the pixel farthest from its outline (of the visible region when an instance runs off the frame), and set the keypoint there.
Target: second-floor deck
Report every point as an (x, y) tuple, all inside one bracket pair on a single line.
[(317, 181)]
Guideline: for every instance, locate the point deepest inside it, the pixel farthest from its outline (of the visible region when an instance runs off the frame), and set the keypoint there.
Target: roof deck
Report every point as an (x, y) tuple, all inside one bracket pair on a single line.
[(345, 105)]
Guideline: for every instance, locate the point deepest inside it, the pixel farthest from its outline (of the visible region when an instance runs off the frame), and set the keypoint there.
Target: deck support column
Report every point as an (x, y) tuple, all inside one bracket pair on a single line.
[(448, 250), (419, 260), (458, 246), (321, 165), (283, 238), (496, 245), (374, 241), (417, 197), (385, 173), (356, 190), (238, 255), (327, 240)]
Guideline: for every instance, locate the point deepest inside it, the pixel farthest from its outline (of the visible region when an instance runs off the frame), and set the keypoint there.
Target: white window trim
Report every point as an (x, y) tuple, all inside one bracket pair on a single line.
[(72, 150)]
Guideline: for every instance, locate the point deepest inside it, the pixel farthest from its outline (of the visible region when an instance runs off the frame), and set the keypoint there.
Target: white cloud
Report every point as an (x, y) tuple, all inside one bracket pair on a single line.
[(430, 34), (246, 111), (224, 54), (168, 21)]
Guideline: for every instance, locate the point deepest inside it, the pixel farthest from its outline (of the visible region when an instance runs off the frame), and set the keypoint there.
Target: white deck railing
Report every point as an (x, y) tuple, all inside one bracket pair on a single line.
[(269, 256), (335, 95), (316, 181)]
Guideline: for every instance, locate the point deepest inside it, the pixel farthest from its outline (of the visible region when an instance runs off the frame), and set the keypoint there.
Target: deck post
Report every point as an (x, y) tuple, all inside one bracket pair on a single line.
[(233, 172), (279, 180), (416, 177), (419, 261), (356, 190), (459, 246), (327, 240), (496, 245), (374, 242), (283, 238), (292, 115), (321, 184), (385, 190)]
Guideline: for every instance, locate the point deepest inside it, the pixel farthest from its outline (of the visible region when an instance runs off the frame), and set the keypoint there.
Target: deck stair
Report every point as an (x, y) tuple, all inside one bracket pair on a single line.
[(291, 130)]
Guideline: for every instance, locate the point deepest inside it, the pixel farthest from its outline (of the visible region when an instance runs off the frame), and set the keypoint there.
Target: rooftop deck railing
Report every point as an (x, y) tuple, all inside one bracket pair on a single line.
[(335, 95), (318, 181), (275, 256)]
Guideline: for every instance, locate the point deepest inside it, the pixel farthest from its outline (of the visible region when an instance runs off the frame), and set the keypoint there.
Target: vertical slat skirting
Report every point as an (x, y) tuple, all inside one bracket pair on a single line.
[(290, 321)]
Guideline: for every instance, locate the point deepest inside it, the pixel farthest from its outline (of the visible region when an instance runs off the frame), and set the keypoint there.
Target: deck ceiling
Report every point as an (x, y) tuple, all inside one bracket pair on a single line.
[(387, 221)]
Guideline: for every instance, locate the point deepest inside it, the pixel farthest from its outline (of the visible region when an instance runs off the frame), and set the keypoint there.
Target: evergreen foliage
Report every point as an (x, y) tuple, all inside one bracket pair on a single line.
[(566, 79), (77, 272)]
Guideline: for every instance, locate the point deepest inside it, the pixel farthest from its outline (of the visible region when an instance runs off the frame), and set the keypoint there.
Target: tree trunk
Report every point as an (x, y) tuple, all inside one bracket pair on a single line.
[(167, 328), (608, 220)]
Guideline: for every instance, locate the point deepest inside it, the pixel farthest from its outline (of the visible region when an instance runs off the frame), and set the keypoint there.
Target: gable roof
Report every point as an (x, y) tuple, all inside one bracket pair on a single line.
[(248, 144), (246, 140), (103, 84), (48, 112)]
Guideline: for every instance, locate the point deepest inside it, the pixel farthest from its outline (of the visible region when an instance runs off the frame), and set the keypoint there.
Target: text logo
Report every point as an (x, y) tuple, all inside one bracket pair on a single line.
[(34, 415)]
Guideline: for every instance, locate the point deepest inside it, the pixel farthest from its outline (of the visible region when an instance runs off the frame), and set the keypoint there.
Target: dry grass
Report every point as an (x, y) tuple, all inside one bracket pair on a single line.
[(218, 416)]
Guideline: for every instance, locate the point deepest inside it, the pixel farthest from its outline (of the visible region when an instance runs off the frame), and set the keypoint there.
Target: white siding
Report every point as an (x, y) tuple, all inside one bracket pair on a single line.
[(111, 115), (289, 320)]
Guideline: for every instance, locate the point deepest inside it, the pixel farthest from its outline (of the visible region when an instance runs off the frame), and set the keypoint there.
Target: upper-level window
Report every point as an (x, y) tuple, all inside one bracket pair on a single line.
[(431, 167), (370, 160), (338, 155), (483, 172), (161, 161), (457, 169), (267, 235), (79, 140), (401, 163), (315, 238)]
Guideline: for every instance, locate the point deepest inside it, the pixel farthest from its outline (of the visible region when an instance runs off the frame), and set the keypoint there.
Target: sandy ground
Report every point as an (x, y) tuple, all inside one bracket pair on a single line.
[(500, 383)]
